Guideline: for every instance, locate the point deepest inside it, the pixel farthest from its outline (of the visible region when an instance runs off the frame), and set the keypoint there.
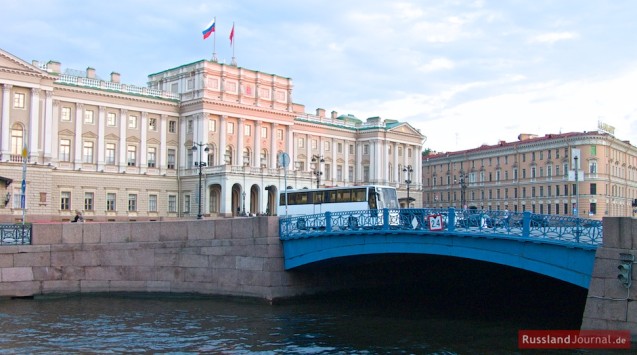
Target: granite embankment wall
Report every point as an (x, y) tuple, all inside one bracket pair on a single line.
[(610, 305), (236, 257)]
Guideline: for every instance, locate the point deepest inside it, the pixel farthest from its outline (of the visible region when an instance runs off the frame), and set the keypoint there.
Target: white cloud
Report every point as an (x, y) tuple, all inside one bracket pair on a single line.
[(553, 37), (437, 64)]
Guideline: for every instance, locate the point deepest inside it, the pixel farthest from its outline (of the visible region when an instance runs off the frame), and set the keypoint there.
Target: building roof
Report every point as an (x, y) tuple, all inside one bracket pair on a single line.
[(523, 139)]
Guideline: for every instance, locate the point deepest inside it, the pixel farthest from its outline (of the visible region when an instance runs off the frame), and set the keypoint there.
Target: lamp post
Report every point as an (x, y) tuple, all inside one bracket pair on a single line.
[(408, 170), (200, 164), (576, 188), (463, 189), (316, 159), (243, 193)]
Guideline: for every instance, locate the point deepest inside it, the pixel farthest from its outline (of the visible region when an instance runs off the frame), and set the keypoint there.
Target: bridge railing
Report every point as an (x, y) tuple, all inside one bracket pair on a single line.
[(560, 229), (15, 234)]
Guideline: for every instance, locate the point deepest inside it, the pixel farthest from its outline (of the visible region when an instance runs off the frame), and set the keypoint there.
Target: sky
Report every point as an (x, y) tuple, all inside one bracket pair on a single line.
[(463, 72)]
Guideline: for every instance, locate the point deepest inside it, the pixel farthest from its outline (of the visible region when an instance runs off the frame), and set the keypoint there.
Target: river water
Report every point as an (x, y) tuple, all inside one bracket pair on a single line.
[(418, 318)]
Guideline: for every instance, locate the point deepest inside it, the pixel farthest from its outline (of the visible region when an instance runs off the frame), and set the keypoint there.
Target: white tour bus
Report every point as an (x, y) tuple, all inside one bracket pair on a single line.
[(336, 199)]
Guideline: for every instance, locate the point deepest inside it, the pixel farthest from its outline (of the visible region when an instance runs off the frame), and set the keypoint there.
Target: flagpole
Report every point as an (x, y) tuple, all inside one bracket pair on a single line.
[(214, 42), (234, 60)]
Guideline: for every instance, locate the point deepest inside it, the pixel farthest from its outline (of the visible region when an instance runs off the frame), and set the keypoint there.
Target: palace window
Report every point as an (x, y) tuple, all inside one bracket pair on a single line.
[(110, 153), (87, 152), (19, 100), (88, 201), (65, 200), (152, 203), (66, 114), (65, 150), (111, 199), (132, 202), (89, 117)]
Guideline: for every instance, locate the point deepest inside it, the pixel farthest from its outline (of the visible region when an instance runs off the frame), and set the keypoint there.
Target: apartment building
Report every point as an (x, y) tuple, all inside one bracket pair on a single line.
[(201, 140), (586, 174)]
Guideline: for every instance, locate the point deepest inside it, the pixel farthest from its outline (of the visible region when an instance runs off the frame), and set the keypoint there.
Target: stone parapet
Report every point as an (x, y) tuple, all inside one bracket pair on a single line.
[(610, 305), (239, 257)]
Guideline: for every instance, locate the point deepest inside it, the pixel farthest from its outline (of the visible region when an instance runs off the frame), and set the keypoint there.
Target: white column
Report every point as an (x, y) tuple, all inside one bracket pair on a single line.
[(34, 125), (290, 144), (5, 131), (222, 146), (334, 162), (182, 150), (240, 132), (373, 162), (143, 130), (48, 125), (123, 148), (396, 163), (54, 130), (257, 142), (346, 165), (161, 158), (308, 154), (79, 116), (273, 151), (359, 162), (101, 137)]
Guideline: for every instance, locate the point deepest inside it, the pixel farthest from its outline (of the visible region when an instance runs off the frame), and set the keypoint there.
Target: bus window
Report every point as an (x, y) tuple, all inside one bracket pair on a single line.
[(345, 195), (358, 195), (317, 197), (301, 198), (332, 197)]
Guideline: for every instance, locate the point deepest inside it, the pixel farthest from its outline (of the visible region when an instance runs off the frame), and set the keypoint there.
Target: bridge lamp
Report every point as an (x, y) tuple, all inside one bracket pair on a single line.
[(200, 164), (318, 159), (624, 276), (408, 170)]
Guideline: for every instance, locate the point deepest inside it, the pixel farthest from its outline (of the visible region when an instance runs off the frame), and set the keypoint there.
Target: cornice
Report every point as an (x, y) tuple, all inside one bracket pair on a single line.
[(114, 94), (240, 106)]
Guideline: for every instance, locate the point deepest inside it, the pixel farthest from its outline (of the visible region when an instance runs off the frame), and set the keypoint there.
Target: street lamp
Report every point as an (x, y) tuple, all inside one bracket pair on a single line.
[(408, 170), (316, 159), (200, 164), (576, 188), (463, 189), (243, 193)]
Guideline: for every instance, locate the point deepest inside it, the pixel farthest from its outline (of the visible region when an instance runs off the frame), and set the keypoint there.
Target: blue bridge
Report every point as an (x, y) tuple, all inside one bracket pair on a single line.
[(561, 247)]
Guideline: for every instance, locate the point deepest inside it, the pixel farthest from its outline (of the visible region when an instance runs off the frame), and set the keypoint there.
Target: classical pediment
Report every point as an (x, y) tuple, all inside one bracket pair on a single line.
[(11, 63), (405, 128)]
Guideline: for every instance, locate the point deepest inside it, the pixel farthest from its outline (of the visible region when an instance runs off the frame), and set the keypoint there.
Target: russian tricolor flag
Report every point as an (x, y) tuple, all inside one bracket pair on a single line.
[(209, 29)]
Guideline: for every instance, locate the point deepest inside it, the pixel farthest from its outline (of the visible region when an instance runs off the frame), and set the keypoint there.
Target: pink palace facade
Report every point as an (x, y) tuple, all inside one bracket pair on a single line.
[(121, 152)]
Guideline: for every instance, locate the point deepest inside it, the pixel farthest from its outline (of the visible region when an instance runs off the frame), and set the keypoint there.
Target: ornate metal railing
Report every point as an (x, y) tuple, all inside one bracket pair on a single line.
[(428, 221), (15, 234)]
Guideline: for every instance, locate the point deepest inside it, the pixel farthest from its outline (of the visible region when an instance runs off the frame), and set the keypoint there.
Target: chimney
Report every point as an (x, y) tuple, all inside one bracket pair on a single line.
[(90, 73), (334, 115), (35, 63), (320, 112), (526, 136), (54, 67), (115, 77)]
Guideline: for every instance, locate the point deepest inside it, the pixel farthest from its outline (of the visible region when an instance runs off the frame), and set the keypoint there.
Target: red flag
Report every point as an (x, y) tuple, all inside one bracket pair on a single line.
[(232, 34)]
